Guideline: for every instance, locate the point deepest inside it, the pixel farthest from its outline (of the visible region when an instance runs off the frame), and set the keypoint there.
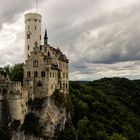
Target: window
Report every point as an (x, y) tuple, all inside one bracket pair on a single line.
[(50, 74), (28, 47), (63, 75), (35, 27), (42, 73), (63, 86), (28, 36), (49, 54), (66, 75), (35, 74), (28, 74), (35, 63), (28, 27), (36, 44), (35, 20), (60, 86), (39, 84), (40, 47), (40, 37)]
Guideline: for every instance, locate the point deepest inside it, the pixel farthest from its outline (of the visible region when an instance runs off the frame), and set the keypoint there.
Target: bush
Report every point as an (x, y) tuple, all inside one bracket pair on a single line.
[(15, 125), (59, 98), (32, 126)]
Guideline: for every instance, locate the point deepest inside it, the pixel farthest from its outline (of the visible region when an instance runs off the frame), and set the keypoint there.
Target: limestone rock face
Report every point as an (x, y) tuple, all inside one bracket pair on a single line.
[(51, 117)]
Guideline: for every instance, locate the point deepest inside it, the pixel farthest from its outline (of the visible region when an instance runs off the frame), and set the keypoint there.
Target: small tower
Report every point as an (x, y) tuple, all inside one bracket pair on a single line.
[(32, 32), (45, 38)]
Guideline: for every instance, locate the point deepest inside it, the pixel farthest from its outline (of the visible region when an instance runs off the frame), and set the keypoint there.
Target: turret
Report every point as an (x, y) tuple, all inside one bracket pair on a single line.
[(45, 38), (32, 32)]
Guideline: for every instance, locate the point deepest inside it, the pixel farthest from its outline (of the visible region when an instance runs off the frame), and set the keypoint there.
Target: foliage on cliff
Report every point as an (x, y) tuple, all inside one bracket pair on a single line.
[(14, 72), (32, 126), (106, 109)]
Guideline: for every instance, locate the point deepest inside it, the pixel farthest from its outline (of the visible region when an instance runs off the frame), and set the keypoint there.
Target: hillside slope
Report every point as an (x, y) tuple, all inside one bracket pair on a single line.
[(106, 109)]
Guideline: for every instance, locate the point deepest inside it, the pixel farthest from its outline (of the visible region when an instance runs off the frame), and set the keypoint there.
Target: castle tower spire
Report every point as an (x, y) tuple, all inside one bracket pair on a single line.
[(45, 38)]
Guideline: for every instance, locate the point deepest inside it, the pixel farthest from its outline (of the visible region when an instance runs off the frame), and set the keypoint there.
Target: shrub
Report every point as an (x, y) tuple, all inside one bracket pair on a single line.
[(32, 126)]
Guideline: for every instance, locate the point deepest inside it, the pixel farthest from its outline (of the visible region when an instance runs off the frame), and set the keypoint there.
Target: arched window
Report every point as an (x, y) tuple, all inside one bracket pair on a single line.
[(4, 91), (35, 74), (49, 54), (63, 75), (39, 84), (35, 63), (60, 86), (28, 36), (63, 86), (42, 73), (28, 74)]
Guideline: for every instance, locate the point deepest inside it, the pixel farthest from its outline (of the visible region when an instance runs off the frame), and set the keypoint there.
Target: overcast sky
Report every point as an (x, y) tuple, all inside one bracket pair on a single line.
[(100, 37)]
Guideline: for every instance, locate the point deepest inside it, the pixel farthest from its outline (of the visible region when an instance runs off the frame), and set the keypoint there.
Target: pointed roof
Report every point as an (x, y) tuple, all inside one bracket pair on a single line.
[(45, 36)]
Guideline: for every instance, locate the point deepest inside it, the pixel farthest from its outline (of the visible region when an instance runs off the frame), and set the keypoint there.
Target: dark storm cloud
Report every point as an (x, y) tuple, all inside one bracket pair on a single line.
[(101, 38)]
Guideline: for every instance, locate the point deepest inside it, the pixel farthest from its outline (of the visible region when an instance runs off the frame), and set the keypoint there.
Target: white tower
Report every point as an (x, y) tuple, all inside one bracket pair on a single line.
[(32, 32)]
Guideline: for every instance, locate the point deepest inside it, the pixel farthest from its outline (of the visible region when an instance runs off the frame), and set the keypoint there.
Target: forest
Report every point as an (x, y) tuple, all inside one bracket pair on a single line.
[(104, 109)]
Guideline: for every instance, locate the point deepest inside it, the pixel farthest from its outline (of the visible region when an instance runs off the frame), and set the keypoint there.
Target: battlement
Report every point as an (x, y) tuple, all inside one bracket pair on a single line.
[(15, 87), (13, 96), (33, 16)]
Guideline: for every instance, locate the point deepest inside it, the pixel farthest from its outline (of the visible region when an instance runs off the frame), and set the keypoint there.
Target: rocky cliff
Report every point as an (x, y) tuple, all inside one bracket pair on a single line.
[(45, 119)]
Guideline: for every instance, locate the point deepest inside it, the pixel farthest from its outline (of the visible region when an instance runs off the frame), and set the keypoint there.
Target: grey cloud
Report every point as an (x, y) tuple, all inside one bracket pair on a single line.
[(10, 9), (98, 42)]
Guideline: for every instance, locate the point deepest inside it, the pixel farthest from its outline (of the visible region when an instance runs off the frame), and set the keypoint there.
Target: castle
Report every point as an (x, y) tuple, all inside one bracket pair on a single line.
[(45, 70)]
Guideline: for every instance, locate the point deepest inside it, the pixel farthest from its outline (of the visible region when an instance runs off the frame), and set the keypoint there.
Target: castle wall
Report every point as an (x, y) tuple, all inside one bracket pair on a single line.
[(17, 106)]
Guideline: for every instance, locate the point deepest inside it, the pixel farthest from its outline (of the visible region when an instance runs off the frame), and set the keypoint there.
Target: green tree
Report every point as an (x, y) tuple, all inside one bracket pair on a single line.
[(16, 73), (117, 136), (83, 129), (32, 125)]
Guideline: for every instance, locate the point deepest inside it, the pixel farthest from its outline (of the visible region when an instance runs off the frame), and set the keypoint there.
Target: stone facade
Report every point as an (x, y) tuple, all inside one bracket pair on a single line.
[(45, 70)]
